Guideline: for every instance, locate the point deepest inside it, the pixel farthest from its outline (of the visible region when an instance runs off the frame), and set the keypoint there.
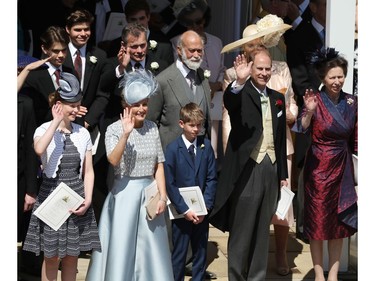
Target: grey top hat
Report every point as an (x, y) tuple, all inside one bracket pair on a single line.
[(138, 85), (69, 89)]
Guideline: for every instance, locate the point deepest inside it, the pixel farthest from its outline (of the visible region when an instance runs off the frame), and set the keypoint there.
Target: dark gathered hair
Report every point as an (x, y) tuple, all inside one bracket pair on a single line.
[(134, 6), (322, 68), (134, 29), (54, 34), (191, 112), (79, 16), (191, 8)]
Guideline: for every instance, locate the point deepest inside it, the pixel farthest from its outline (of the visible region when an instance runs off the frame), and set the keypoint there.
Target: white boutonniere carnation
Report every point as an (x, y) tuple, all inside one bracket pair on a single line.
[(202, 145), (153, 44), (93, 59), (154, 65), (349, 100), (207, 74)]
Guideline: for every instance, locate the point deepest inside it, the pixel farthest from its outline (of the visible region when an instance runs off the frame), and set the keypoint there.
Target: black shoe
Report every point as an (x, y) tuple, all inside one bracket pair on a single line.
[(208, 274)]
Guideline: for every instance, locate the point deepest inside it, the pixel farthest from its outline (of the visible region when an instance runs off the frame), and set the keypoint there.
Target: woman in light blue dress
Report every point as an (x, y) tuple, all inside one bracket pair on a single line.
[(133, 247)]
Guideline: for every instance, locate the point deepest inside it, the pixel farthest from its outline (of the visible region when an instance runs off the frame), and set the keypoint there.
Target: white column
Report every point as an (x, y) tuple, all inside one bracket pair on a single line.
[(340, 26)]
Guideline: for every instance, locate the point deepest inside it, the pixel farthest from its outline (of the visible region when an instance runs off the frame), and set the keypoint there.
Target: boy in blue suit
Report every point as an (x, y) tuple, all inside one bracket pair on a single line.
[(186, 167)]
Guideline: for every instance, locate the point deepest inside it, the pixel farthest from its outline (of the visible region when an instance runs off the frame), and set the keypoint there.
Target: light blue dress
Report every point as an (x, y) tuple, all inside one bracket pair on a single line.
[(133, 248)]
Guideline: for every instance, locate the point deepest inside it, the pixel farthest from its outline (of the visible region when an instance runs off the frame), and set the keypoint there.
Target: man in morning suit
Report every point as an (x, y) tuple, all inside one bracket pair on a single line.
[(181, 83), (86, 63), (254, 167), (190, 161), (133, 54)]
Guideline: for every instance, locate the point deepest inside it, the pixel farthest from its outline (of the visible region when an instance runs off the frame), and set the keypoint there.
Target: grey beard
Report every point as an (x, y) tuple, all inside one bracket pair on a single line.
[(192, 65)]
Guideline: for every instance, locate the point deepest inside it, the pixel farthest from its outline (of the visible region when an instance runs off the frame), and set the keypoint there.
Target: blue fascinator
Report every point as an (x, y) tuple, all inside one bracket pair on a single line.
[(138, 85), (69, 89)]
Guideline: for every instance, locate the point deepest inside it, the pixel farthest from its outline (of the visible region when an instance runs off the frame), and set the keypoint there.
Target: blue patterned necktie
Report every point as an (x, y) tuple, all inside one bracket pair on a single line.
[(191, 152), (322, 35)]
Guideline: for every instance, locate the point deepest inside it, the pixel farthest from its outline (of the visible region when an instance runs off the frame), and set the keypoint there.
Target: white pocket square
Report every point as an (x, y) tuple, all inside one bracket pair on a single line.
[(279, 114)]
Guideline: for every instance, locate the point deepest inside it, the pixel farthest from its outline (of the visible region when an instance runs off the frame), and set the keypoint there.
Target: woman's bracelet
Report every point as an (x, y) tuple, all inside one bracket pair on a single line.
[(164, 200)]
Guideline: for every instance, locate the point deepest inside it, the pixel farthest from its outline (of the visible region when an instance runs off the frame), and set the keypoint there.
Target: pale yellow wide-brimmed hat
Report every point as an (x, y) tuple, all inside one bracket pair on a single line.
[(270, 28)]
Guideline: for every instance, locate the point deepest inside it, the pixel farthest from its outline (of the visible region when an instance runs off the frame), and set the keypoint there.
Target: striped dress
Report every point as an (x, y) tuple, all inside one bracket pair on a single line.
[(78, 233)]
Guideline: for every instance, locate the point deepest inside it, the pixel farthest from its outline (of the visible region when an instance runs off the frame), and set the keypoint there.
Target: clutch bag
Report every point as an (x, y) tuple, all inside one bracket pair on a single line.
[(152, 205)]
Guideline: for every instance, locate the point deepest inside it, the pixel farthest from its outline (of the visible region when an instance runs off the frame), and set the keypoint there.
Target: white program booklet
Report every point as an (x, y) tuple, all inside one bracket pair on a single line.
[(193, 197), (115, 24), (54, 210), (286, 199)]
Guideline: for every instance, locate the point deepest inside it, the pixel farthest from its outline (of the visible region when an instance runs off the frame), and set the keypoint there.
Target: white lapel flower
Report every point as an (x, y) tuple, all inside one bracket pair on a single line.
[(349, 100), (207, 74), (93, 59), (154, 65), (202, 145), (153, 44)]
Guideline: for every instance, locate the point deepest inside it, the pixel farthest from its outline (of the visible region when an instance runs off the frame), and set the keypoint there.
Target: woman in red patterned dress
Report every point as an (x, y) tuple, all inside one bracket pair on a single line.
[(330, 116)]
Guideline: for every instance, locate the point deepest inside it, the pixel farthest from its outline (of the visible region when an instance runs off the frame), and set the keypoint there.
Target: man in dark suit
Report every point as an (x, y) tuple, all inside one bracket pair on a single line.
[(27, 167), (190, 161), (41, 82), (86, 63), (181, 83), (139, 11), (133, 54), (298, 10), (254, 167), (307, 38)]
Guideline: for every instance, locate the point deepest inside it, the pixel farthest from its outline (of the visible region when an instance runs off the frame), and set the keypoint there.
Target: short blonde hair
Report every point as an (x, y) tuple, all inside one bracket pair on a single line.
[(191, 112)]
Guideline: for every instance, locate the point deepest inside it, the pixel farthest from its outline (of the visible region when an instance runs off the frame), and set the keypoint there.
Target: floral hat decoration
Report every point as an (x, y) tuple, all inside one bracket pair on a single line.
[(270, 28), (138, 85)]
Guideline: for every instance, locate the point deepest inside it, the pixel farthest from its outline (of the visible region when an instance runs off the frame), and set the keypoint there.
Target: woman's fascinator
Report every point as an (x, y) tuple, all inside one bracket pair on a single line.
[(321, 56), (69, 89), (270, 28), (138, 85)]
